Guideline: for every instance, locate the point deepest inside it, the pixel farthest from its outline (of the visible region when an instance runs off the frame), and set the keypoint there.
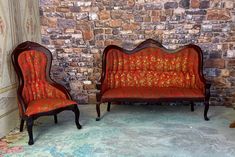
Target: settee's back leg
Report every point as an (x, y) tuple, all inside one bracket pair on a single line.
[(192, 106), (206, 103), (98, 111), (108, 107)]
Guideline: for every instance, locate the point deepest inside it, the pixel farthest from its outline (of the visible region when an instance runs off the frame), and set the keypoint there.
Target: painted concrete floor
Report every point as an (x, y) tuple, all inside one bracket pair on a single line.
[(129, 131)]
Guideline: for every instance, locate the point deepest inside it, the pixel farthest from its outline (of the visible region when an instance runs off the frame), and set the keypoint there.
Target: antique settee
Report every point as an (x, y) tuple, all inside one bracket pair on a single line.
[(152, 73)]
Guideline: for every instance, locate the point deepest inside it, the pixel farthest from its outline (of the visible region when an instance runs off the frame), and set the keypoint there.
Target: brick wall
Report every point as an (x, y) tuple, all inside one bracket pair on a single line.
[(78, 31)]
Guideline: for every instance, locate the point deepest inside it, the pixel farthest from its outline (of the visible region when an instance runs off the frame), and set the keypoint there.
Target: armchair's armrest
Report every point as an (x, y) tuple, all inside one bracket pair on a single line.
[(21, 105), (61, 88)]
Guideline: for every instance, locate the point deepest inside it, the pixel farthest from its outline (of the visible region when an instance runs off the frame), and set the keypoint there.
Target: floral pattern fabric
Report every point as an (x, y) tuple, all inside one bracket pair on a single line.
[(36, 88), (45, 105), (152, 67)]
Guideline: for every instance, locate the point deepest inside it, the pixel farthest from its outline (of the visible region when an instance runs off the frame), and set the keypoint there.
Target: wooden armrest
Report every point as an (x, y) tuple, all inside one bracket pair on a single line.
[(208, 93)]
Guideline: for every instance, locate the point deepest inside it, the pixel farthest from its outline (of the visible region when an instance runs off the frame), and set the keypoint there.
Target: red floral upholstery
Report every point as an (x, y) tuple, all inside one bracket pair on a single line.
[(152, 67), (150, 72), (150, 93), (45, 105), (36, 89), (33, 66), (38, 95)]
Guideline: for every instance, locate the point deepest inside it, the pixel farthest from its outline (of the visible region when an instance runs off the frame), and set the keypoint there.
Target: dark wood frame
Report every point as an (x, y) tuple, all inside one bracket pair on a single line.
[(26, 46), (146, 44)]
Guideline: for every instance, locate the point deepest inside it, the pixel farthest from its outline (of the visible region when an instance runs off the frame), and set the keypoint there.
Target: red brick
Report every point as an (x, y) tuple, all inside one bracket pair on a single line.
[(115, 23), (195, 3), (131, 2), (147, 19), (231, 62), (216, 14), (104, 15), (112, 42), (85, 27), (155, 19), (49, 21), (63, 9), (132, 26), (108, 31), (215, 63), (89, 86)]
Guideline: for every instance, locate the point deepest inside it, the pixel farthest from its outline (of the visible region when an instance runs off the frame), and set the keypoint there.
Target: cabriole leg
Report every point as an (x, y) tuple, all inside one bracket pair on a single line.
[(206, 110), (77, 114), (30, 130)]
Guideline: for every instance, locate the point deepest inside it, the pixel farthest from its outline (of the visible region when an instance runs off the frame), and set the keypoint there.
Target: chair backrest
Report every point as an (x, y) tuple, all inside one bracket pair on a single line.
[(32, 64)]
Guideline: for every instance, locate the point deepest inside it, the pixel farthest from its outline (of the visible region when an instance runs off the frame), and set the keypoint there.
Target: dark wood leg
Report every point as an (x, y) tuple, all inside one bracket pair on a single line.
[(21, 125), (207, 99), (206, 110), (77, 114), (232, 125), (29, 123), (55, 119), (192, 106), (98, 111), (108, 107)]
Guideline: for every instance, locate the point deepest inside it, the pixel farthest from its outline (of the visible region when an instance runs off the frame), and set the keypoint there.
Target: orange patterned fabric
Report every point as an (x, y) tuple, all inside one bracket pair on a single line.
[(152, 67), (46, 105), (33, 65), (151, 93)]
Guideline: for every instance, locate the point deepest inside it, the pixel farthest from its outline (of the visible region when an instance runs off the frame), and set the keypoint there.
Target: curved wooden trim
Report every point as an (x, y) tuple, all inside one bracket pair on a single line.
[(26, 46), (154, 44)]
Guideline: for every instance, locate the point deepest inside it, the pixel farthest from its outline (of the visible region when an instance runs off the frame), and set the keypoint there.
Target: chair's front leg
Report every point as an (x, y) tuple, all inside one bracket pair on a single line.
[(21, 125), (55, 118), (77, 114), (29, 123)]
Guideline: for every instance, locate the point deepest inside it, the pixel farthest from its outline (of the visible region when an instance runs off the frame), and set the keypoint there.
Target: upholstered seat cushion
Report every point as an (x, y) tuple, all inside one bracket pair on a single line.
[(143, 93), (46, 105)]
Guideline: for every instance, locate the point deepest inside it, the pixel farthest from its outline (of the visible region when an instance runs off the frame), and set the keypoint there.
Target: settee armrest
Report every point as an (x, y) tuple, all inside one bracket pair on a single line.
[(208, 84), (207, 92), (98, 94)]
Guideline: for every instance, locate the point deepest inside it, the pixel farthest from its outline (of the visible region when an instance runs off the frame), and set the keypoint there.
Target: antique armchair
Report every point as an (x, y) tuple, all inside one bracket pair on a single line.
[(38, 95)]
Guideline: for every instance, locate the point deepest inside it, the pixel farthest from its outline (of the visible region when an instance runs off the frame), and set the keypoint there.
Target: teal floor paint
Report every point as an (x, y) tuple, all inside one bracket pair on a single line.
[(133, 131)]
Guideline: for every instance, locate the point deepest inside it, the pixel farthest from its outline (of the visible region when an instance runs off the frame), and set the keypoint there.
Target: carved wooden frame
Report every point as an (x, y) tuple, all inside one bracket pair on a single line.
[(155, 44)]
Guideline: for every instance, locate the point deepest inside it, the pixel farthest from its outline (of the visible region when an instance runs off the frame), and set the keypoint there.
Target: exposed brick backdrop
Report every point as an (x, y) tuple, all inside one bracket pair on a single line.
[(78, 31)]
